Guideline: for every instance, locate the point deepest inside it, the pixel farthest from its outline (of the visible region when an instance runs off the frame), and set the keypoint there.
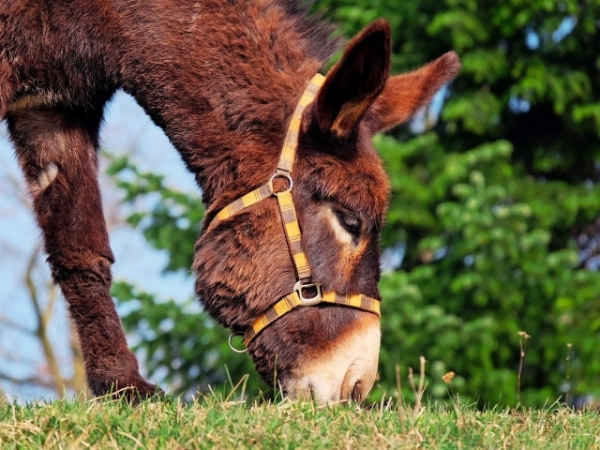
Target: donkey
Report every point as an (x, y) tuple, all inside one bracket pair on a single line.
[(229, 83)]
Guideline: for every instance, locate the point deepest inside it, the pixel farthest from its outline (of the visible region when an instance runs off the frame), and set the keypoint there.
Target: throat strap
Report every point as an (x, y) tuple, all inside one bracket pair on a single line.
[(251, 198)]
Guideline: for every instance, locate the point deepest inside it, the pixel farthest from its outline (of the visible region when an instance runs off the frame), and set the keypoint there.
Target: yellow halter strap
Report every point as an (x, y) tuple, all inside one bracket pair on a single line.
[(292, 231)]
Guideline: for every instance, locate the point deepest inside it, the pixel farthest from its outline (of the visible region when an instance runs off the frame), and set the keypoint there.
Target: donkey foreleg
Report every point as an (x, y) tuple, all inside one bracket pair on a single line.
[(57, 151)]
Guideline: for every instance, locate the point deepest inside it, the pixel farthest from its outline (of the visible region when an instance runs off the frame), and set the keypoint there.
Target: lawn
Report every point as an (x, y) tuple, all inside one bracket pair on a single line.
[(214, 422)]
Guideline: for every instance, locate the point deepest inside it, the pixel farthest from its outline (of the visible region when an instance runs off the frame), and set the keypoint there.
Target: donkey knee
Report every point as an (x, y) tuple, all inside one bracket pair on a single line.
[(71, 271)]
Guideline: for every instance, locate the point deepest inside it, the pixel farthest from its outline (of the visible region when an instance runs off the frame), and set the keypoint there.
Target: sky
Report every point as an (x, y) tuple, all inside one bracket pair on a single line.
[(127, 129)]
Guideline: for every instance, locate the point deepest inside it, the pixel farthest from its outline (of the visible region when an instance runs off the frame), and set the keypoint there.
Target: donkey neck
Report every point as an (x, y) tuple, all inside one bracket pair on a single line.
[(222, 80)]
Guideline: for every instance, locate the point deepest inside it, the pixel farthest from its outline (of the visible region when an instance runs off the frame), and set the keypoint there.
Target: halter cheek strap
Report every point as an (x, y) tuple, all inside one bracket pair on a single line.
[(305, 292)]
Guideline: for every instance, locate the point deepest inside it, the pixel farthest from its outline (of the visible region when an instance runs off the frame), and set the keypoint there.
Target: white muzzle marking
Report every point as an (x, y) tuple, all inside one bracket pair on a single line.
[(346, 371)]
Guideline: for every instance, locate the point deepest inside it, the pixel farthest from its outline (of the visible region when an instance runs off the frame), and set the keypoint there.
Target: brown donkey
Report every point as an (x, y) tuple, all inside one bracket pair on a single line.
[(230, 84)]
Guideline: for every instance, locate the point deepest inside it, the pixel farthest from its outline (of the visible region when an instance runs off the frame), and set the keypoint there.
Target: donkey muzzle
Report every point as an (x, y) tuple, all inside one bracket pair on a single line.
[(345, 372)]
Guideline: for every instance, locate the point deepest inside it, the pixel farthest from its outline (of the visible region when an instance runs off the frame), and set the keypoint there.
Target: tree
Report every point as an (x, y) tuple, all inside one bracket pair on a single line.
[(490, 198)]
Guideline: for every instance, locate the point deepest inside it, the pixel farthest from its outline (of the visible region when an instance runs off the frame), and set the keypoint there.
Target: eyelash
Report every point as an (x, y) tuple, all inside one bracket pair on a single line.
[(350, 223)]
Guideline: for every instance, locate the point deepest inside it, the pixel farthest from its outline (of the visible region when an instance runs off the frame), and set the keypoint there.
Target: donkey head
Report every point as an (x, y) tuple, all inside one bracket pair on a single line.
[(340, 192)]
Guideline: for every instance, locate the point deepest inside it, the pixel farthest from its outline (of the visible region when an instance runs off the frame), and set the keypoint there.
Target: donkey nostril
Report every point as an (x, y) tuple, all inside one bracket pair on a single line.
[(357, 392)]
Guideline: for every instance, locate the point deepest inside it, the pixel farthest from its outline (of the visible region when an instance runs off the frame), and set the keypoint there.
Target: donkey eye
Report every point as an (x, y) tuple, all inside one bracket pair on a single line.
[(350, 222)]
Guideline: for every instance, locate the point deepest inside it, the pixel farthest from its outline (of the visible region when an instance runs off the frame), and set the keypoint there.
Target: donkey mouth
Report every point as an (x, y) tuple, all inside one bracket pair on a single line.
[(345, 372)]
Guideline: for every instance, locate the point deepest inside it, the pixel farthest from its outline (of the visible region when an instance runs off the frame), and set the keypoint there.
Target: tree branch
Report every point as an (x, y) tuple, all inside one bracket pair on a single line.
[(43, 317), (27, 381), (78, 381), (16, 326)]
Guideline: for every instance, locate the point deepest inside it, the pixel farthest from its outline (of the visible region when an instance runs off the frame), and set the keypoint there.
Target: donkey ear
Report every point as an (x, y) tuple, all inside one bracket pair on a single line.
[(405, 94), (355, 82)]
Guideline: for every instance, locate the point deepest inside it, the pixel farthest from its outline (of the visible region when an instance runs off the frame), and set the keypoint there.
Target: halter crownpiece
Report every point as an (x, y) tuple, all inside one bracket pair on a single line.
[(305, 292)]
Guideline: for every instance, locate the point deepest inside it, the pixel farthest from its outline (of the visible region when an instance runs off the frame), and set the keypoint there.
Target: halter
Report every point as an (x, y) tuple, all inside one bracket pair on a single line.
[(305, 292)]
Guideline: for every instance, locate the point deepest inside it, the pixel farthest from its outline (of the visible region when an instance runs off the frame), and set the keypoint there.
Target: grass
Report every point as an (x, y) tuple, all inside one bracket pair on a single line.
[(214, 422)]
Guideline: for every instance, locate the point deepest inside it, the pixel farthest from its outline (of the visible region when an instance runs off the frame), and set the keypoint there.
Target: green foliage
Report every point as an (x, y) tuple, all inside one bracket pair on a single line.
[(487, 204), (479, 269), (170, 219)]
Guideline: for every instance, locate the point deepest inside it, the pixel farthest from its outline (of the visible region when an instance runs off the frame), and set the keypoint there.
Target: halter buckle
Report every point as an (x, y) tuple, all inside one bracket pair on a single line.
[(310, 301), (287, 176)]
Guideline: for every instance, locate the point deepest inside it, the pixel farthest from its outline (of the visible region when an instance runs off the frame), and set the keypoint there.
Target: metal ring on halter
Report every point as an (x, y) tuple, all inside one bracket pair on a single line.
[(287, 176), (231, 336), (309, 301)]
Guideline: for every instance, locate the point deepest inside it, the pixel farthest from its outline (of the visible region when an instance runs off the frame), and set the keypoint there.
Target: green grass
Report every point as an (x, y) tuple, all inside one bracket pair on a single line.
[(211, 422)]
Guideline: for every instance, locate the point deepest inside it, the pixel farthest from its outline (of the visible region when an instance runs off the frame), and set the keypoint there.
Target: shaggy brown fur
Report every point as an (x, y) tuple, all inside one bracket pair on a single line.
[(222, 79)]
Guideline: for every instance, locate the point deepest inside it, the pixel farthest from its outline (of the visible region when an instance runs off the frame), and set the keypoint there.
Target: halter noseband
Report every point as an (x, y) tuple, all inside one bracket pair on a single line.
[(305, 292)]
